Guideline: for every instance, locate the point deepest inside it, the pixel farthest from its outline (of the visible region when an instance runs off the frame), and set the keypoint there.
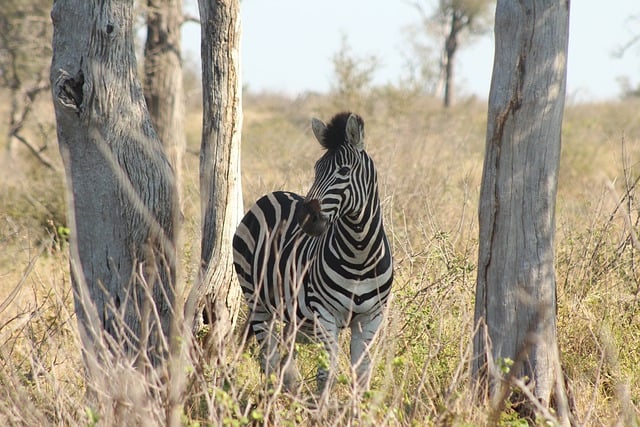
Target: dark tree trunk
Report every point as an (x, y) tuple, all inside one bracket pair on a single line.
[(163, 77), (451, 47)]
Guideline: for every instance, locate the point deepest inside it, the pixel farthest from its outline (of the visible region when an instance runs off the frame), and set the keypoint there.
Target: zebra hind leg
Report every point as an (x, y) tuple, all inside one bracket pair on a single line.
[(279, 370), (267, 337), (288, 365)]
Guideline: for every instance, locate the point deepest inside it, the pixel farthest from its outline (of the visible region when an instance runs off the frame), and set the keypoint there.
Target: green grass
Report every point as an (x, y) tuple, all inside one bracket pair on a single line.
[(429, 162)]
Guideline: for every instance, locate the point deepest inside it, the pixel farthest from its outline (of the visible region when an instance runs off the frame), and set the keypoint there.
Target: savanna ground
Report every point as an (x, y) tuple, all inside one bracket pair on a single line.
[(429, 162)]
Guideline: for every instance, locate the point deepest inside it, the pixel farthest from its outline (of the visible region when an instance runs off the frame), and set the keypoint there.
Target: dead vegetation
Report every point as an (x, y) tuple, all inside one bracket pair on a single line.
[(430, 163)]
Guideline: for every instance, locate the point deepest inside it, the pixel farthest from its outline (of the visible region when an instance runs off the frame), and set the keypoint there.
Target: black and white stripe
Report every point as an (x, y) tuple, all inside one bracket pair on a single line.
[(320, 263)]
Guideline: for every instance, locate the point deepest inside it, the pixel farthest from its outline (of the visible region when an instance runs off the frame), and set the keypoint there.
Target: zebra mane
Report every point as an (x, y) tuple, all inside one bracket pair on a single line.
[(334, 135)]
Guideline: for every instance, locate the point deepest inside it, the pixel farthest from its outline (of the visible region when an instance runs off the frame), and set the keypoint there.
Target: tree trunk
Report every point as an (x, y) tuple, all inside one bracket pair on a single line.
[(163, 77), (122, 200), (450, 48), (516, 288), (220, 185), (24, 70), (448, 79)]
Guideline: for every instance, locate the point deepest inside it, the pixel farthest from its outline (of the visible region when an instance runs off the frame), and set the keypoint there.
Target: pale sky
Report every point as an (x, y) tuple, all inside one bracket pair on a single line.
[(288, 45)]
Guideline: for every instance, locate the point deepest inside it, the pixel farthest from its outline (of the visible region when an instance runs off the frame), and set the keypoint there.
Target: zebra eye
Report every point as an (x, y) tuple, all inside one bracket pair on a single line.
[(344, 170)]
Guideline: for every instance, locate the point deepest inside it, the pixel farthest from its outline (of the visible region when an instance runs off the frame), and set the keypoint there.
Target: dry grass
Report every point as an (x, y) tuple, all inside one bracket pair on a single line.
[(429, 162)]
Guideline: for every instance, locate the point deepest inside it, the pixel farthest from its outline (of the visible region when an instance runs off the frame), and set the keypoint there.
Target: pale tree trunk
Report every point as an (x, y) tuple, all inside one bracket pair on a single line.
[(220, 185), (516, 287), (163, 77), (122, 200)]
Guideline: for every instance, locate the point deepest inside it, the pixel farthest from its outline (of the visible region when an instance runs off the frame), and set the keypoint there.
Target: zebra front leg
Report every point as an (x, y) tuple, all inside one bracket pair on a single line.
[(363, 332), (328, 363)]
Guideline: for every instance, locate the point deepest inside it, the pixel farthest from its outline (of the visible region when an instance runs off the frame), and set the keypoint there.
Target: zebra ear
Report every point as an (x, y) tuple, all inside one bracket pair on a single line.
[(355, 131), (319, 129)]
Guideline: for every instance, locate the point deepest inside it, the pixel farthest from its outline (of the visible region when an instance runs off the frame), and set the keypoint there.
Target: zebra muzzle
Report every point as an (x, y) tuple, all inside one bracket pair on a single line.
[(310, 218)]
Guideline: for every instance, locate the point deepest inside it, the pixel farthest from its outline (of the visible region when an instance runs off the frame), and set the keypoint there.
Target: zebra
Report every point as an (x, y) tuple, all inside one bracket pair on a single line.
[(318, 264)]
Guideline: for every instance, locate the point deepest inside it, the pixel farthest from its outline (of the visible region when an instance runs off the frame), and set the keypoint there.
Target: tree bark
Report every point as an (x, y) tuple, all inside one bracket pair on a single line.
[(163, 77), (515, 309), (450, 48), (220, 185), (122, 200)]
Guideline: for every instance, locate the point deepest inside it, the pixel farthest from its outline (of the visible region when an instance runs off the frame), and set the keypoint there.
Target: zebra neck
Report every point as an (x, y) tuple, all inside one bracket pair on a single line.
[(361, 226), (356, 245), (359, 232), (367, 217)]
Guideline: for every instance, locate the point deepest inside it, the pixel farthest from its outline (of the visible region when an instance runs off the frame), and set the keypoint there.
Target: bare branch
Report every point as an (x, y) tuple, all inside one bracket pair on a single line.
[(36, 152), (187, 17), (632, 21), (619, 53)]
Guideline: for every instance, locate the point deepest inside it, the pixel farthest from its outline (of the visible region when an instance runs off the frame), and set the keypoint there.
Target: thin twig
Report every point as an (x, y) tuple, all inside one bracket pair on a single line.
[(518, 382), (14, 293), (37, 153)]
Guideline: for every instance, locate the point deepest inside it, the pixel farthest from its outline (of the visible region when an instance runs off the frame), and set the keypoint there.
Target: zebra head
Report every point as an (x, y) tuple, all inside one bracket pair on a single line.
[(344, 175)]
